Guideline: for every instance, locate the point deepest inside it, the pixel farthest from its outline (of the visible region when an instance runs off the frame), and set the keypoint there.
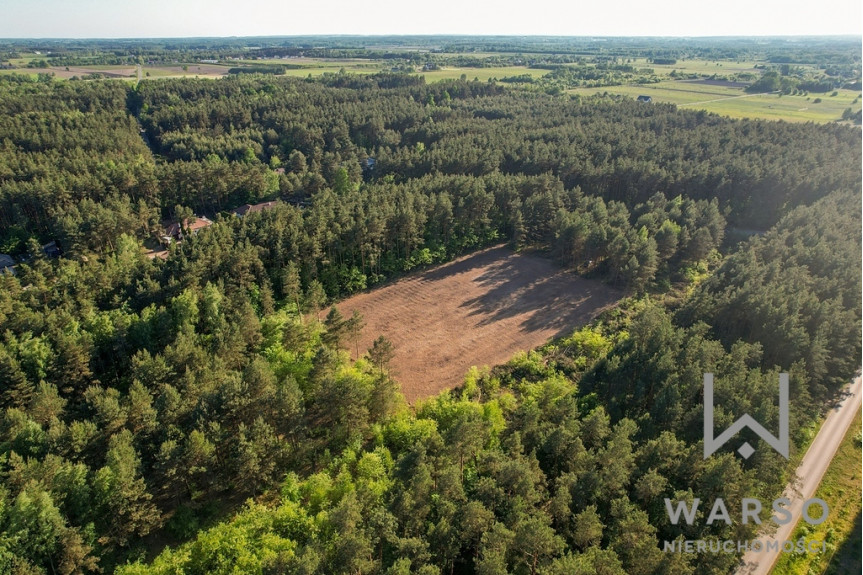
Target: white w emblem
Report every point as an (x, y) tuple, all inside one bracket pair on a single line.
[(780, 443)]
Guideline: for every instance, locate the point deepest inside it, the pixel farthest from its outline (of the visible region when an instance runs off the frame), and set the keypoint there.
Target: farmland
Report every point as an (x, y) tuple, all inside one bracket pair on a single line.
[(478, 310), (735, 103), (706, 77), (725, 100), (483, 74)]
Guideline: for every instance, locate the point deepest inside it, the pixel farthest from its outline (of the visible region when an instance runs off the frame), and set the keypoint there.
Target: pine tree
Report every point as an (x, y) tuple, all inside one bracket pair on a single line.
[(336, 328), (354, 328), (381, 353)]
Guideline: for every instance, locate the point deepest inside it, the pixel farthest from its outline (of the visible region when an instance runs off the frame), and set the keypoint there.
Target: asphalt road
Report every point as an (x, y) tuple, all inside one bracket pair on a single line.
[(809, 475)]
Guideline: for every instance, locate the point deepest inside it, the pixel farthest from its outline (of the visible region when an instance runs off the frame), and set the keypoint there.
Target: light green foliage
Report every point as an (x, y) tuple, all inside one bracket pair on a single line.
[(587, 345)]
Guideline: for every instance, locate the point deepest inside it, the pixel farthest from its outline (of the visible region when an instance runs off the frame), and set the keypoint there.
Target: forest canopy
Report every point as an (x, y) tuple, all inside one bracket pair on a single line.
[(145, 398)]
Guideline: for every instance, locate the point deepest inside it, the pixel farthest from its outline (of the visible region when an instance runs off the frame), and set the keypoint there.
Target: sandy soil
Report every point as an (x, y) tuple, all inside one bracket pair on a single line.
[(194, 69), (61, 72), (477, 310)]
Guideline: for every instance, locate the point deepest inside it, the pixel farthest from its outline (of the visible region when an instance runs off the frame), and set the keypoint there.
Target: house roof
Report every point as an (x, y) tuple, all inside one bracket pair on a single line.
[(6, 261), (199, 223), (249, 208), (51, 249)]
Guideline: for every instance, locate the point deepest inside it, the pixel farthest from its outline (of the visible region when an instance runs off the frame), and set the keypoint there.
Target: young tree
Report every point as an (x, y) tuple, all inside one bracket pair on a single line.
[(122, 493), (587, 530), (18, 390), (291, 288), (535, 543), (316, 298), (336, 327), (34, 525), (385, 398), (381, 353), (354, 328)]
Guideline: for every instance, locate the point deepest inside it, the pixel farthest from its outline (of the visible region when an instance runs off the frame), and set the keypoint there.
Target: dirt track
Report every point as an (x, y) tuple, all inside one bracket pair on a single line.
[(477, 310)]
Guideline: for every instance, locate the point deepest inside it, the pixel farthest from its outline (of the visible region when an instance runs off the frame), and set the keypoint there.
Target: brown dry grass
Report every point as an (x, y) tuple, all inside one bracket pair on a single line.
[(477, 310)]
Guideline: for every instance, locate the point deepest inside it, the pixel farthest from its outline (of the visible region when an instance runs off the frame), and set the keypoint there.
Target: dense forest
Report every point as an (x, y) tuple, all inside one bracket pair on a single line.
[(145, 398)]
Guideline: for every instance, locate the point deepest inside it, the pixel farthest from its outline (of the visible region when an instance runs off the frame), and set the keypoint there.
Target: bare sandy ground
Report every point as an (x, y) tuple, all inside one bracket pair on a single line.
[(477, 310)]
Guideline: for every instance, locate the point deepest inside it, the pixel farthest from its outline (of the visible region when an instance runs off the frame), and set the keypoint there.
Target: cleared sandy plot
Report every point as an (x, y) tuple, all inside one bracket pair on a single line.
[(477, 310), (131, 72)]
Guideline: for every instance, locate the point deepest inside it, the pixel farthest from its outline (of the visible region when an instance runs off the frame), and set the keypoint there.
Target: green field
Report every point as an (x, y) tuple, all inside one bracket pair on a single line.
[(667, 91), (24, 71), (841, 489), (27, 57), (736, 103), (318, 66), (318, 71), (482, 74), (695, 66)]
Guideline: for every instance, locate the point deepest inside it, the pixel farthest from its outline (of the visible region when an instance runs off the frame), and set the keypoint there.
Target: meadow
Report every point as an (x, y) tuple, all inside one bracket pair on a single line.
[(735, 103)]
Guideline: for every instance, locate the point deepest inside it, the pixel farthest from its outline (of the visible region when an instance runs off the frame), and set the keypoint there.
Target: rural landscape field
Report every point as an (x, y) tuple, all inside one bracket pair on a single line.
[(382, 301), (697, 81)]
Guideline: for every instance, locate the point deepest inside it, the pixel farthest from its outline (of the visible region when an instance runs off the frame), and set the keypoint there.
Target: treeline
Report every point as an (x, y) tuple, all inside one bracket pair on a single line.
[(559, 461), (412, 174), (274, 69), (359, 229)]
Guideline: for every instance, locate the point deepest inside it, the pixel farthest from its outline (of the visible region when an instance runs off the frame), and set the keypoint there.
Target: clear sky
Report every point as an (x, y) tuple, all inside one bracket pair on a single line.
[(184, 18)]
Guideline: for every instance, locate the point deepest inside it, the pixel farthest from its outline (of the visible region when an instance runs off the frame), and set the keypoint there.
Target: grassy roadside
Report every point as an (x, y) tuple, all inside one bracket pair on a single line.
[(840, 488)]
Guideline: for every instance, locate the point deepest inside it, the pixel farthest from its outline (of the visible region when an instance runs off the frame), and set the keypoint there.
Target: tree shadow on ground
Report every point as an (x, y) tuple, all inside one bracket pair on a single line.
[(846, 560), (548, 297)]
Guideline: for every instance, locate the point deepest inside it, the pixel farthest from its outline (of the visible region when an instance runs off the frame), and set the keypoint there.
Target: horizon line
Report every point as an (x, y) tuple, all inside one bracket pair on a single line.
[(444, 34)]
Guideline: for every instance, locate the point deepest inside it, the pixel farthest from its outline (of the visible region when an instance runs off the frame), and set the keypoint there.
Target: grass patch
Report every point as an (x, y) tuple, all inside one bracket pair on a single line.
[(789, 108), (840, 488), (667, 91), (22, 71), (736, 103)]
